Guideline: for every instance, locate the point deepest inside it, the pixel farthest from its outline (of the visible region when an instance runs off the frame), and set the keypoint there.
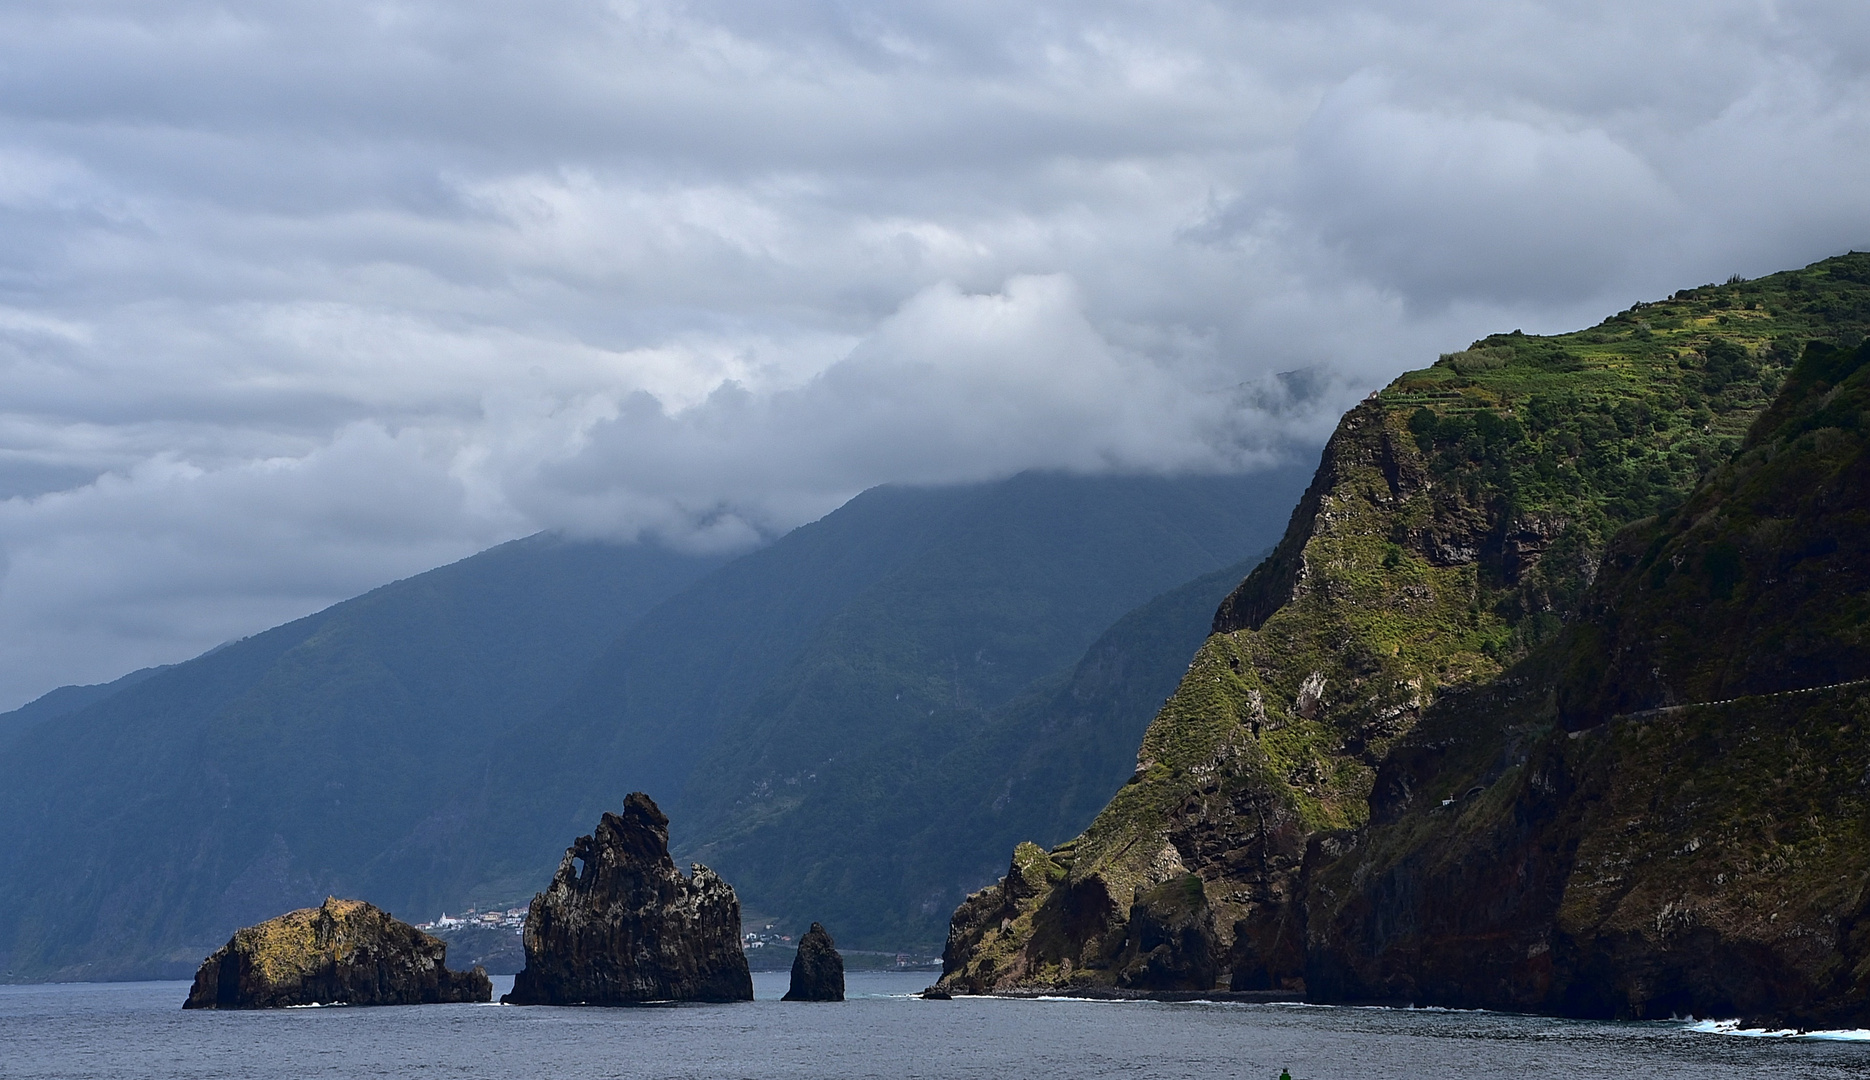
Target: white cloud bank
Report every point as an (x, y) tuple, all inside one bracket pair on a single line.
[(300, 297)]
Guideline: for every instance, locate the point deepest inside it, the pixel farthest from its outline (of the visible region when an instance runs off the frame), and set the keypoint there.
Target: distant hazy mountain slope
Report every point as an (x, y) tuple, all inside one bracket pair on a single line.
[(891, 632), (894, 626), (436, 744), (659, 694), (1018, 586), (63, 702), (887, 830), (253, 779)]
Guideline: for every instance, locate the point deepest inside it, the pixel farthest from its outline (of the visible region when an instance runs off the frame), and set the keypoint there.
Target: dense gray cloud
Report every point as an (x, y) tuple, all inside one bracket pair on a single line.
[(300, 297)]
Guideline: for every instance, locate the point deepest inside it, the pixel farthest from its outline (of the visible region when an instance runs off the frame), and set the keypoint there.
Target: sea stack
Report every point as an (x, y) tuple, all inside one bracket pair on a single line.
[(620, 925), (343, 952), (817, 970)]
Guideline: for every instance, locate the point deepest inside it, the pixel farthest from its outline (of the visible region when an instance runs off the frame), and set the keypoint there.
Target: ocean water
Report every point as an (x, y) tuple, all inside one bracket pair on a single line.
[(138, 1030)]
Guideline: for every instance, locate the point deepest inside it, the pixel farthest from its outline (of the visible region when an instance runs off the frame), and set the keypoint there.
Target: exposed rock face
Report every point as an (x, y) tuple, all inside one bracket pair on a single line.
[(620, 925), (817, 970), (1172, 943), (1708, 861), (1272, 737), (341, 952), (1489, 729)]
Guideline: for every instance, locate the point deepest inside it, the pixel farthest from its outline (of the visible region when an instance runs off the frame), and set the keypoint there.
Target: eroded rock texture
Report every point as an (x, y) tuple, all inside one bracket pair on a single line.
[(1172, 944), (818, 970), (342, 952), (620, 925)]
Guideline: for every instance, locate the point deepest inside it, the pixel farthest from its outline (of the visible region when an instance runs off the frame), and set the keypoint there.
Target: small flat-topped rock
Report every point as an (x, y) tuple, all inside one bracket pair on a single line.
[(817, 970), (343, 952)]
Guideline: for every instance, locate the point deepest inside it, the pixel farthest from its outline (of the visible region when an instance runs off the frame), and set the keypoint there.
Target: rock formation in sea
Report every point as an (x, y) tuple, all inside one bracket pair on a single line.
[(620, 925), (343, 952), (817, 970), (1554, 698)]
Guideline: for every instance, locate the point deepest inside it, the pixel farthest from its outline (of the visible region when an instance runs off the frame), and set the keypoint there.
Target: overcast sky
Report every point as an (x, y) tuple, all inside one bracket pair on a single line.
[(299, 298)]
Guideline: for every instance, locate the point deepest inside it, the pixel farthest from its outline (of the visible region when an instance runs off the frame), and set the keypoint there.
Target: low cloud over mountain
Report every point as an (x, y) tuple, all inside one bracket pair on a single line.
[(298, 298)]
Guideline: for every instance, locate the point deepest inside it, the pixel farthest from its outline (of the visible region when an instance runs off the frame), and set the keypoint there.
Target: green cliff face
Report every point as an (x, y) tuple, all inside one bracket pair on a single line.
[(1696, 843), (1757, 583), (1436, 596)]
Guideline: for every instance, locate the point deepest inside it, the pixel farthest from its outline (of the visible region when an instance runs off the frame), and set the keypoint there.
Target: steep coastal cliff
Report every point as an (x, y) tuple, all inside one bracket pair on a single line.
[(1367, 786), (1696, 842)]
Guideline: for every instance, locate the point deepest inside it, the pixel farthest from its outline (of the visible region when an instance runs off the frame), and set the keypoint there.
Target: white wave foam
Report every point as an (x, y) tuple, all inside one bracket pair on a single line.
[(1732, 1027)]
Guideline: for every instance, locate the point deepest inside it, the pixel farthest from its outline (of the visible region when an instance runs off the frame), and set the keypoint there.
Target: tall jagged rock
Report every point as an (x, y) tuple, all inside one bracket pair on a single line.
[(1466, 737), (621, 925), (817, 970), (343, 952)]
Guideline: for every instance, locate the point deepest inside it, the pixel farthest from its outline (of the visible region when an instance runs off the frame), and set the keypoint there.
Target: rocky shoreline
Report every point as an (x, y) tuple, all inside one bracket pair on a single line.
[(1119, 993)]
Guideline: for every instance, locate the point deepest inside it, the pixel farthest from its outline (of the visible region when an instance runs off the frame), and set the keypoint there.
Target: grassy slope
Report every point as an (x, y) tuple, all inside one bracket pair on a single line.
[(1664, 857), (1757, 584), (1454, 525), (1589, 431)]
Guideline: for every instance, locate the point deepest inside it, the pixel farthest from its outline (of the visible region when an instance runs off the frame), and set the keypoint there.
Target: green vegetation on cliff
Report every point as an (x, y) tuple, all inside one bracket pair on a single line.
[(1696, 843), (1459, 517), (343, 952), (1455, 527), (1758, 583)]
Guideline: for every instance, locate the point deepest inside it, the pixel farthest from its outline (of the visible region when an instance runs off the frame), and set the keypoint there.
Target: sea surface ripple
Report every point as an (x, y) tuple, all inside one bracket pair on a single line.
[(106, 1031)]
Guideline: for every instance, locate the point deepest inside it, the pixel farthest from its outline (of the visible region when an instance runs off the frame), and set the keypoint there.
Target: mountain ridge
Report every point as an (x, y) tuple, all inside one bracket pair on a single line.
[(405, 746), (913, 657), (203, 797), (65, 700)]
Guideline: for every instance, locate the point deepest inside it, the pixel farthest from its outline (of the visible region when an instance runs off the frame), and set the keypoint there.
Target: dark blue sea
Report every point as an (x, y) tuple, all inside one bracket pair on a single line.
[(139, 1030)]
